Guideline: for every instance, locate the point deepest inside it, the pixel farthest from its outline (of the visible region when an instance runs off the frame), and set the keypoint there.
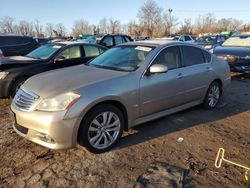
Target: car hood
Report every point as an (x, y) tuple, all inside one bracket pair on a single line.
[(236, 51), (53, 83), (17, 60)]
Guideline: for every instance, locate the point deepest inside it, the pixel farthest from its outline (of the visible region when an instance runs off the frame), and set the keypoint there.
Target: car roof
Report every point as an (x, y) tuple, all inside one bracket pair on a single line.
[(14, 35), (154, 42), (66, 43)]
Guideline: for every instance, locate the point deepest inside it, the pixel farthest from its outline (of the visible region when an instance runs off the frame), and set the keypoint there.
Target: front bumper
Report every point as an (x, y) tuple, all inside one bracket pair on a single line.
[(240, 69), (48, 129)]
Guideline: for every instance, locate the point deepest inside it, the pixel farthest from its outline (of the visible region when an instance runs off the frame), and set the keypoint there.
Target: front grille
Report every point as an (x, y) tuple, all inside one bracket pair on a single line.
[(21, 129), (24, 99)]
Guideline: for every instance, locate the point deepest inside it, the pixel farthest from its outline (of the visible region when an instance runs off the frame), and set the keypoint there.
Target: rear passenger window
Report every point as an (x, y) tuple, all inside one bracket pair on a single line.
[(169, 57), (91, 51), (207, 56), (118, 40), (192, 55), (187, 38), (108, 41), (128, 39)]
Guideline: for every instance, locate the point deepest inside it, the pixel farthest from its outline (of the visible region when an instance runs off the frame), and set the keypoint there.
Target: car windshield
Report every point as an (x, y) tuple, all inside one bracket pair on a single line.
[(238, 41), (122, 58), (207, 39), (44, 52)]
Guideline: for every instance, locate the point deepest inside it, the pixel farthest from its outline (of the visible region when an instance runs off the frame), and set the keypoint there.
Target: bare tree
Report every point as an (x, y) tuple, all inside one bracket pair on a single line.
[(186, 27), (60, 30), (150, 16), (103, 25), (49, 29), (25, 28), (7, 25), (205, 24), (114, 26), (81, 27), (38, 29), (135, 29), (235, 24)]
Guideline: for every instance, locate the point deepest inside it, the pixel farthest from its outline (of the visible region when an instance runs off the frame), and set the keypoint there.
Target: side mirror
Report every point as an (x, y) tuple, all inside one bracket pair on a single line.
[(59, 59), (158, 68)]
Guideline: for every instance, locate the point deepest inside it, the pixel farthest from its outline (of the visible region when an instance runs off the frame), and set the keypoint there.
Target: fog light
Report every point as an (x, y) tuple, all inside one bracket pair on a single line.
[(46, 138)]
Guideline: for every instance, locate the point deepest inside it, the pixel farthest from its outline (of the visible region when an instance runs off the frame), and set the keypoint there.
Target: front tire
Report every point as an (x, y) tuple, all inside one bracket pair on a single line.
[(101, 128), (213, 95)]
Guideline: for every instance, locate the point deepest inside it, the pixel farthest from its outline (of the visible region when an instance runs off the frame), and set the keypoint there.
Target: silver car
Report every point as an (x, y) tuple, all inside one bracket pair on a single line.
[(128, 85)]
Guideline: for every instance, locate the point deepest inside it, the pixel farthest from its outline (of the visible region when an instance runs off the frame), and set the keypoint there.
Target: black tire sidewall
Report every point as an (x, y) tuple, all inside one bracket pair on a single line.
[(83, 129), (205, 103)]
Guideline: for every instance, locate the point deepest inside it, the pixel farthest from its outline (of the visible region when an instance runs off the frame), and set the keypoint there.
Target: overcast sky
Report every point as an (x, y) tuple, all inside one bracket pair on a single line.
[(67, 11)]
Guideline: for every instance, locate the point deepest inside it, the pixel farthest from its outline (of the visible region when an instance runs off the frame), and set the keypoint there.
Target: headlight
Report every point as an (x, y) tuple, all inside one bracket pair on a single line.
[(208, 47), (3, 75), (58, 103), (229, 58)]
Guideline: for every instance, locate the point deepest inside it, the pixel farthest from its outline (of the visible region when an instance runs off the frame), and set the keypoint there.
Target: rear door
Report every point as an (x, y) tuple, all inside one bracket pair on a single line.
[(163, 90), (197, 73)]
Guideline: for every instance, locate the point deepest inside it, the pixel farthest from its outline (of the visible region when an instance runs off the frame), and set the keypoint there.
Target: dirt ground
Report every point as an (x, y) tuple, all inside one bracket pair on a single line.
[(23, 163)]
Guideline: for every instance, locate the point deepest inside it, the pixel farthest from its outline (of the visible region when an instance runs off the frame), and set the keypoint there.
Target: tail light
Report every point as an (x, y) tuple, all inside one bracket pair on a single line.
[(1, 53)]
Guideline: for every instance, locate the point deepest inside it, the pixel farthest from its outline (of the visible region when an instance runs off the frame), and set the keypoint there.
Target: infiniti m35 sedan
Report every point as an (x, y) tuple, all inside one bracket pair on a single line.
[(127, 85)]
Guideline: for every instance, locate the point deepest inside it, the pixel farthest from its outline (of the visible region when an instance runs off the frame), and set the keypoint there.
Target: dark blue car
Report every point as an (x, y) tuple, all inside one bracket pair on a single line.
[(236, 51), (210, 41)]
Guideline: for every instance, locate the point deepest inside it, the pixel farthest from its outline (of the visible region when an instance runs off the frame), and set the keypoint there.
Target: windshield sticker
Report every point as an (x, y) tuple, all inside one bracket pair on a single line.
[(142, 48), (56, 46)]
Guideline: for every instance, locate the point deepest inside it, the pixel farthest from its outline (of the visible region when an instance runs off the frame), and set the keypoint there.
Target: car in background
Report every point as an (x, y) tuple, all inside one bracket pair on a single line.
[(141, 38), (185, 38), (13, 45), (236, 51), (42, 41), (115, 39), (127, 85), (16, 69), (210, 41)]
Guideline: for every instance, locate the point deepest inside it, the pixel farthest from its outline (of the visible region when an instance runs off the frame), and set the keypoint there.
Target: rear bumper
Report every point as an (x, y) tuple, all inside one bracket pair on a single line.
[(4, 88)]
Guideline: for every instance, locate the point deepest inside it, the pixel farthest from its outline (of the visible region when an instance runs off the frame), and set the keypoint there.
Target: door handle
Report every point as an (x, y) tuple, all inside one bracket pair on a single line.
[(180, 76)]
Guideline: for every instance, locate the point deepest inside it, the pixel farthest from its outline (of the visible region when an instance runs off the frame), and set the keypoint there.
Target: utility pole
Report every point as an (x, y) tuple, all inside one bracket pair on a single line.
[(170, 20)]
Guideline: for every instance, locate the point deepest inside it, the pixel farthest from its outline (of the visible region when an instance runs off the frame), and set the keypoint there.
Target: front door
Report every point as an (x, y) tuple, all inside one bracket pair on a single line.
[(163, 90)]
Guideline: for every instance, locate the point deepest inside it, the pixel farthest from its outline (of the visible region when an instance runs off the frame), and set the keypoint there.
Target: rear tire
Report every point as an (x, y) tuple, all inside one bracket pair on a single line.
[(213, 95), (16, 86), (101, 128)]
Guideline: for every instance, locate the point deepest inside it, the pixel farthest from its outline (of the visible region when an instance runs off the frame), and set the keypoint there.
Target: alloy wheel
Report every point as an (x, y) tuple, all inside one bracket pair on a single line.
[(104, 130), (213, 96)]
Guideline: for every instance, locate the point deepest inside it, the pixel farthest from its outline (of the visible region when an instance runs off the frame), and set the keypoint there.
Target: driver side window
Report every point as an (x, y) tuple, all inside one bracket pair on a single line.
[(169, 57), (71, 53)]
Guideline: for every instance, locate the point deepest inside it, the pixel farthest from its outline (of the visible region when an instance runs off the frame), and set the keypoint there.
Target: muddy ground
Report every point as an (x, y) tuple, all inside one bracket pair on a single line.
[(23, 163)]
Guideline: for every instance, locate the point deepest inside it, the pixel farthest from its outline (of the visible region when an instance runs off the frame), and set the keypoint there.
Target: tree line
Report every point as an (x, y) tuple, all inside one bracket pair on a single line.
[(152, 21)]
